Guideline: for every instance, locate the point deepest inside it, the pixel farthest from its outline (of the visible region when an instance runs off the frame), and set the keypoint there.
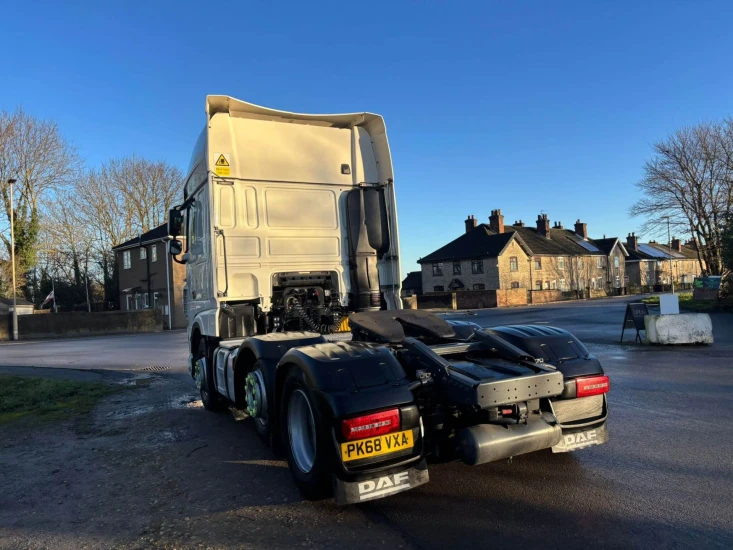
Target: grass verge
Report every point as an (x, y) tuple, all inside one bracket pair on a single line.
[(43, 398)]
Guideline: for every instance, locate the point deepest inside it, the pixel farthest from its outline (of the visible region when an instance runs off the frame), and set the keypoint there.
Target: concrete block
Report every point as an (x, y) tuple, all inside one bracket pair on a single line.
[(684, 328)]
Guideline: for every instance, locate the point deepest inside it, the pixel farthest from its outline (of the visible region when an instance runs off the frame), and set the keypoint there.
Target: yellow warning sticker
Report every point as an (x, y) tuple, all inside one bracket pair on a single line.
[(222, 166)]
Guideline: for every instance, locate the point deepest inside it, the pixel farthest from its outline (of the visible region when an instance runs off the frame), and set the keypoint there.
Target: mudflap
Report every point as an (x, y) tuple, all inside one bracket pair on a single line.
[(381, 484), (581, 438)]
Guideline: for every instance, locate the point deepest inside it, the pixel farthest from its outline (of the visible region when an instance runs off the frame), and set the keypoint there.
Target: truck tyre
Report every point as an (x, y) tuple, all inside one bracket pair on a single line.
[(205, 380), (305, 438)]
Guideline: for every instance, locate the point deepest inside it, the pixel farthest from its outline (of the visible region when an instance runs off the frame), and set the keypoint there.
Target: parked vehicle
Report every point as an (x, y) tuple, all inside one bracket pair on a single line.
[(290, 228)]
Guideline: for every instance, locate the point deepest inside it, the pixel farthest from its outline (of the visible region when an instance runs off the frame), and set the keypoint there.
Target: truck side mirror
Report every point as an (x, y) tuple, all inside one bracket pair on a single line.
[(175, 247), (175, 222)]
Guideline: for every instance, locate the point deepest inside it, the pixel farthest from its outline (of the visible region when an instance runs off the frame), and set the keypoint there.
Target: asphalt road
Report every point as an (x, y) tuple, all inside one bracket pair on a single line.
[(665, 478)]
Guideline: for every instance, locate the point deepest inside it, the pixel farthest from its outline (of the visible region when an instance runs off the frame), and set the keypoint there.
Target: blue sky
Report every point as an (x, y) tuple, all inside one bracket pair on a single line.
[(523, 106)]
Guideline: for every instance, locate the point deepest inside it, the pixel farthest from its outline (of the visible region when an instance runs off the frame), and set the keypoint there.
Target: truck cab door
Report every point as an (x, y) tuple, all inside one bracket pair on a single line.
[(199, 250)]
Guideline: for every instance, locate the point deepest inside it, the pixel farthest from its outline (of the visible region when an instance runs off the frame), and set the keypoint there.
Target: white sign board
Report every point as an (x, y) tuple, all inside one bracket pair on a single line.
[(669, 304)]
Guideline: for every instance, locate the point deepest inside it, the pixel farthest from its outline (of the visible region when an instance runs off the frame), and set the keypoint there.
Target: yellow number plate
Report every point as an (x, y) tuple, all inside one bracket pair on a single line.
[(375, 446)]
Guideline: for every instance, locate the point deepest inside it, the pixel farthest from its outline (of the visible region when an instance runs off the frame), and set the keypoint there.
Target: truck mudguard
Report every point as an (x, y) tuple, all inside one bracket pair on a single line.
[(351, 377), (553, 345)]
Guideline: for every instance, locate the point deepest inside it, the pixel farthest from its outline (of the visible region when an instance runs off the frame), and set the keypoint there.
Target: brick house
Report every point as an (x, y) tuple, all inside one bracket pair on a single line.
[(149, 278), (497, 257), (648, 264)]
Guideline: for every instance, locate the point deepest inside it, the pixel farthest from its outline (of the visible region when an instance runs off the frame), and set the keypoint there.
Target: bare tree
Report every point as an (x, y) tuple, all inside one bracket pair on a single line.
[(690, 182), (148, 187), (120, 200), (34, 152)]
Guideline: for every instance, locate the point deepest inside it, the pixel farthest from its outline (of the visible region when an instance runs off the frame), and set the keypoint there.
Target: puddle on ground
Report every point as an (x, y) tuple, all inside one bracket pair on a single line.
[(170, 401)]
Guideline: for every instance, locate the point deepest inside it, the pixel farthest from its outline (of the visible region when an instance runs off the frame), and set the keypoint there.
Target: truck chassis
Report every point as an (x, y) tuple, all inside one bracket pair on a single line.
[(360, 419)]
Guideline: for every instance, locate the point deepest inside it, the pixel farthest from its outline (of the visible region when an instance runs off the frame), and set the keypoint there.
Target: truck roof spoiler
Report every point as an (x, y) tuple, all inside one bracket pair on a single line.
[(236, 107)]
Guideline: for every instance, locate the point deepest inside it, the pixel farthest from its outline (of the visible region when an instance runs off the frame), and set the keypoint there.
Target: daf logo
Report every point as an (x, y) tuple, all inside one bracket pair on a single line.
[(386, 485), (579, 438)]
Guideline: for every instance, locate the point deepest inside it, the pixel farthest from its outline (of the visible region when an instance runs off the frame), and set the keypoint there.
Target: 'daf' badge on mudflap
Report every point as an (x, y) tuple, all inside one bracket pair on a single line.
[(379, 486)]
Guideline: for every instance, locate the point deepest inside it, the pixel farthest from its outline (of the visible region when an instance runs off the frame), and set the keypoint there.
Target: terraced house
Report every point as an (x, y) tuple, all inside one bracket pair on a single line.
[(653, 263), (494, 256)]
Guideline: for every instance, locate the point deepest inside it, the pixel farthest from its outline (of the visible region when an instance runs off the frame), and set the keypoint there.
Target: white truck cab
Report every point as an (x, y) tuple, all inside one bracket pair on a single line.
[(290, 221)]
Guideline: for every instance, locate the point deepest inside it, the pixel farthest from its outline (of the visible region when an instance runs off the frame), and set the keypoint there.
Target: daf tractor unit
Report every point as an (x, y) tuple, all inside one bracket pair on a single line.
[(288, 230)]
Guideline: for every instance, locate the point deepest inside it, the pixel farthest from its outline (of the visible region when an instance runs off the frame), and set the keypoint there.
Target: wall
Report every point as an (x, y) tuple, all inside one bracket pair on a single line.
[(614, 271), (633, 273), (506, 275), (436, 300), (60, 325), (476, 299), (489, 278), (511, 297), (544, 296)]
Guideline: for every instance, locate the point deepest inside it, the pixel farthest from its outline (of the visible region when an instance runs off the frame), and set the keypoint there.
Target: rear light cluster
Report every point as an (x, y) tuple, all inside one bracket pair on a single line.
[(592, 385), (371, 425)]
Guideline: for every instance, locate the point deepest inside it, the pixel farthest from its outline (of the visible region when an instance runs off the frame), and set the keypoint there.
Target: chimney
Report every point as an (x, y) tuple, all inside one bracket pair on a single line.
[(581, 230), (692, 243), (496, 221), (519, 223), (632, 241), (543, 225), (676, 244), (470, 223), (558, 225)]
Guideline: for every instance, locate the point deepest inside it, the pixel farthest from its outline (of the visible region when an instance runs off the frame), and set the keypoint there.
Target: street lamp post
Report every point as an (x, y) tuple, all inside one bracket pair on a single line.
[(11, 181), (669, 249)]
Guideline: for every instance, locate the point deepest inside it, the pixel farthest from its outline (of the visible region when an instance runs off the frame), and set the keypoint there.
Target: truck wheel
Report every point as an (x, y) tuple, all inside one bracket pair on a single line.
[(204, 379), (257, 403), (305, 438)]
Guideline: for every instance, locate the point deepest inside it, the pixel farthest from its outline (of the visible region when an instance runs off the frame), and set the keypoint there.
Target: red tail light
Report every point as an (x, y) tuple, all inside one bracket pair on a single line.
[(592, 385), (371, 424)]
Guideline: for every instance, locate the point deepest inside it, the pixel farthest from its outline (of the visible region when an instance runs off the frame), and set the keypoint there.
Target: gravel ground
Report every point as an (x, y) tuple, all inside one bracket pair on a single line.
[(150, 468)]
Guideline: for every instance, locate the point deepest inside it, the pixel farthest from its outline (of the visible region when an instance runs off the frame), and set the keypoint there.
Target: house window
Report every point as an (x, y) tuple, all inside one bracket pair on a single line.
[(538, 285), (143, 253), (126, 259), (580, 263), (600, 283), (128, 302), (437, 269), (599, 262), (538, 263), (146, 300), (561, 263), (438, 288), (515, 284), (479, 286), (156, 296), (547, 285), (477, 266), (137, 301), (154, 253), (593, 284), (553, 285), (563, 287), (615, 262), (456, 268), (513, 264)]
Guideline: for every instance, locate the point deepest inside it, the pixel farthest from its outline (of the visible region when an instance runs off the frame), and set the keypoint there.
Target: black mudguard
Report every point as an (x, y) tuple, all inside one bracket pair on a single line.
[(551, 344), (351, 377)]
